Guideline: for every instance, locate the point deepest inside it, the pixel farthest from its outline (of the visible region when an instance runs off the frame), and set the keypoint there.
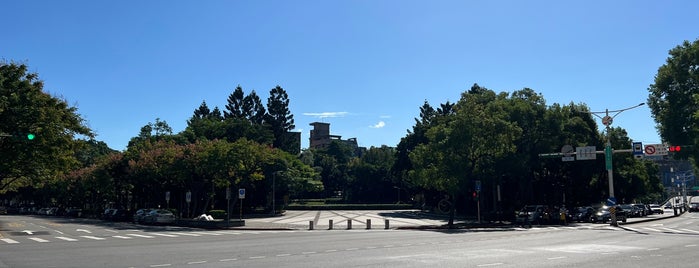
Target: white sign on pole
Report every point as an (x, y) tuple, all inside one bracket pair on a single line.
[(188, 197), (655, 149), (586, 152), (241, 193)]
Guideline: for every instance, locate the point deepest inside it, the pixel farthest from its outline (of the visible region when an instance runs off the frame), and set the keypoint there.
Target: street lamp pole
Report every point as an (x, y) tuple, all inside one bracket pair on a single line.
[(607, 121)]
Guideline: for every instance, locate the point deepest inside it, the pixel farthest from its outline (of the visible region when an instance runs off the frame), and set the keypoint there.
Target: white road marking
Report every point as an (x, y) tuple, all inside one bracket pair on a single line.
[(691, 231), (225, 260), (490, 264), (122, 237), (92, 237), (258, 257), (556, 258), (206, 233), (196, 262), (9, 241), (689, 246), (652, 229), (670, 230), (165, 235), (66, 238), (283, 255), (161, 265), (308, 252), (39, 239), (186, 234), (143, 236)]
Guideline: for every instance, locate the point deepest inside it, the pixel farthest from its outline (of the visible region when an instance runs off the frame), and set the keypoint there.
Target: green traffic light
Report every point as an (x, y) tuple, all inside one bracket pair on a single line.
[(31, 136)]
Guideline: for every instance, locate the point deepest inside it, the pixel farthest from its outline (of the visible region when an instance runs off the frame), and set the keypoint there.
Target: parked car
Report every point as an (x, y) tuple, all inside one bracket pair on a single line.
[(631, 210), (3, 210), (159, 216), (532, 214), (107, 214), (122, 215), (642, 209), (693, 207), (74, 212), (140, 214), (656, 209), (582, 214), (603, 215)]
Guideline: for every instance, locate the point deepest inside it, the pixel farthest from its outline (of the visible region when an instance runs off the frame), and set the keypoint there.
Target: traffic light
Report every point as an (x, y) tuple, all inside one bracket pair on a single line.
[(674, 148), (31, 136)]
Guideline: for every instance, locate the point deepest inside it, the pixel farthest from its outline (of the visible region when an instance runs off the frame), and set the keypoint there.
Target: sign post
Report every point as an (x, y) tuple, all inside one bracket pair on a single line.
[(167, 199), (228, 206), (241, 196), (478, 199), (188, 198)]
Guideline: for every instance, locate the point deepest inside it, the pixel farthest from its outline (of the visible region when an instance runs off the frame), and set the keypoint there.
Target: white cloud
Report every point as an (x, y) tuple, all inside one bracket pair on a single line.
[(326, 114), (380, 124)]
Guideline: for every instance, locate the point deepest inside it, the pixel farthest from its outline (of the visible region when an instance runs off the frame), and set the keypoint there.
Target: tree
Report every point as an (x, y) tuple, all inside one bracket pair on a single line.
[(674, 98), (279, 117), (463, 147), (26, 109), (234, 108), (253, 110)]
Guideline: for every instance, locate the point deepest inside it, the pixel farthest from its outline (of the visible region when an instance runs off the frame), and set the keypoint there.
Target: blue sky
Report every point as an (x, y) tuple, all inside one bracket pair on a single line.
[(364, 66)]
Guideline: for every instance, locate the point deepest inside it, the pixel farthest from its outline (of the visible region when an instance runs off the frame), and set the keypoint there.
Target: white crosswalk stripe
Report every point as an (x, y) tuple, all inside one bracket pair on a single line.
[(66, 238), (122, 237), (142, 236), (41, 240), (186, 234), (92, 237), (691, 231), (9, 241), (163, 234)]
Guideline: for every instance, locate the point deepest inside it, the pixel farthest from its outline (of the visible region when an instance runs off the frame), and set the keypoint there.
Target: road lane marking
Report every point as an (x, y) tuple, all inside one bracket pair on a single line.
[(308, 252), (653, 249), (670, 230), (556, 258), (161, 265), (122, 237), (283, 255), (41, 240), (257, 257), (225, 260), (689, 246), (652, 229), (92, 237), (196, 262), (186, 234), (165, 235), (206, 233), (350, 249), (9, 241), (490, 264), (691, 231), (331, 250), (143, 236), (66, 238)]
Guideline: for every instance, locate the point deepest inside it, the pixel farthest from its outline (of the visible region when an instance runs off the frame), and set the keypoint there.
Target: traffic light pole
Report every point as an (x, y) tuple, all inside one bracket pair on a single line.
[(607, 121)]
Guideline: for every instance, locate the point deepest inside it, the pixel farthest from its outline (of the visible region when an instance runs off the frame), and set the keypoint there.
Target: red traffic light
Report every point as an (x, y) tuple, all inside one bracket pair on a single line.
[(674, 148)]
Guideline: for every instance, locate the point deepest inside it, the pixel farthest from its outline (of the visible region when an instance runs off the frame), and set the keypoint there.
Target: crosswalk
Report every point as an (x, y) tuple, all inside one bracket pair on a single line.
[(654, 229), (126, 236)]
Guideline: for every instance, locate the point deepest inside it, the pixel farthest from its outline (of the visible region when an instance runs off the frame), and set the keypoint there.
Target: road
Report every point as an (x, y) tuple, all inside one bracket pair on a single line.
[(57, 242)]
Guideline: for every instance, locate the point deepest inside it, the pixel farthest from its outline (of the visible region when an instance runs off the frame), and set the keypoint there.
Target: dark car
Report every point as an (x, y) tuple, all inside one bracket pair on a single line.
[(582, 214), (532, 214), (693, 207), (642, 209), (603, 215), (122, 215)]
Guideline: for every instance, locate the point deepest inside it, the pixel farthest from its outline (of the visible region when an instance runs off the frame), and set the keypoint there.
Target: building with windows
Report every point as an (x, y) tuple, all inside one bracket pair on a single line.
[(321, 137)]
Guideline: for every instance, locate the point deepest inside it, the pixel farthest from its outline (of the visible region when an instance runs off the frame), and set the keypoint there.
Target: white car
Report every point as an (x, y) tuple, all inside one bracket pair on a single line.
[(656, 209), (159, 216)]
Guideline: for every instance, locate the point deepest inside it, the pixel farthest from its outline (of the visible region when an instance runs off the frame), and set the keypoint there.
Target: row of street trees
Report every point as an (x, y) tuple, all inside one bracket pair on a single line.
[(487, 137)]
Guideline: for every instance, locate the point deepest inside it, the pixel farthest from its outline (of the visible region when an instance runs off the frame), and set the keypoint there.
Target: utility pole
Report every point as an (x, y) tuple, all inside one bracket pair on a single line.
[(607, 121)]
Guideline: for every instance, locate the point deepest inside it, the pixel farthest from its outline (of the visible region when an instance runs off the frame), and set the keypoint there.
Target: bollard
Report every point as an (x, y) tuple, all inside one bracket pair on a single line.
[(310, 225), (349, 224), (330, 224), (386, 224), (368, 224)]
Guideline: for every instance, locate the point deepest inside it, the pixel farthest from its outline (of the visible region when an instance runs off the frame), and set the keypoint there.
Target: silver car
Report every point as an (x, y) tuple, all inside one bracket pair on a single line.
[(161, 216)]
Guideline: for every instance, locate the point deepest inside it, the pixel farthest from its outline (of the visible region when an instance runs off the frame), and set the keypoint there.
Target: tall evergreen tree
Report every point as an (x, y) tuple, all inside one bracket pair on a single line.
[(253, 109), (234, 108), (279, 118)]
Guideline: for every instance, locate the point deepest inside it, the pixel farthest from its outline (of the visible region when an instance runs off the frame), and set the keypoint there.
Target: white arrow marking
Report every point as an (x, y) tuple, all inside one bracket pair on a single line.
[(28, 232), (83, 230)]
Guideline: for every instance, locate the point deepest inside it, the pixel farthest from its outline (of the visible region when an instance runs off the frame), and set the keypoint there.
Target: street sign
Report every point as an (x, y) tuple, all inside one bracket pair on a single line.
[(568, 153), (478, 186), (241, 193), (611, 201), (188, 197), (608, 157), (228, 193), (586, 153), (655, 149), (167, 196), (637, 149)]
